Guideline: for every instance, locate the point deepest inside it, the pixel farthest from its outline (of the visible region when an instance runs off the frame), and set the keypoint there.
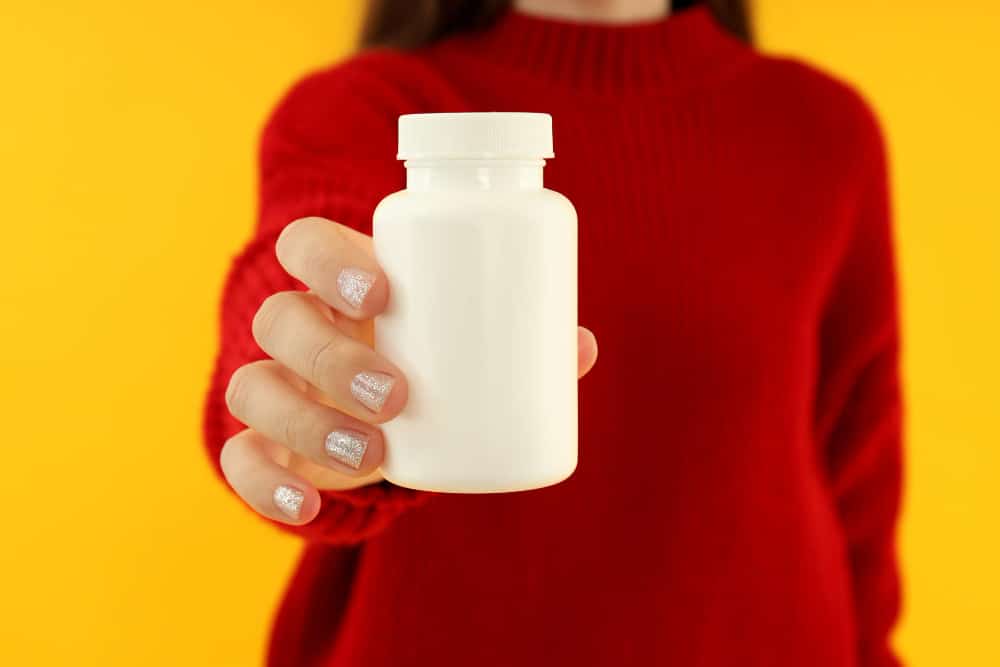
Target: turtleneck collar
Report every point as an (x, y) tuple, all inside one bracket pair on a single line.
[(687, 48)]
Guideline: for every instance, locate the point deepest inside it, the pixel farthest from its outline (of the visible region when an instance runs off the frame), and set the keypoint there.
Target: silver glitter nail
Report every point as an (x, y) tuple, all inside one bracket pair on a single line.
[(289, 500), (354, 285), (348, 447), (371, 389)]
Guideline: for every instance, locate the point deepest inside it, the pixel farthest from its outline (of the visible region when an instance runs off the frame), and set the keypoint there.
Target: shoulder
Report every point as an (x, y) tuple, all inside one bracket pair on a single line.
[(806, 87), (357, 99), (818, 109), (375, 73)]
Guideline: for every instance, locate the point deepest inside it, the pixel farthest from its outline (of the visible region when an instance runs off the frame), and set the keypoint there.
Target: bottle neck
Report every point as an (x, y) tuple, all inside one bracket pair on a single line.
[(474, 174)]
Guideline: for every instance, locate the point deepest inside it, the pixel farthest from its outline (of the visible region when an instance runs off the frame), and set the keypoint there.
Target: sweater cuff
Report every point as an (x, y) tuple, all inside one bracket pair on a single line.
[(354, 515)]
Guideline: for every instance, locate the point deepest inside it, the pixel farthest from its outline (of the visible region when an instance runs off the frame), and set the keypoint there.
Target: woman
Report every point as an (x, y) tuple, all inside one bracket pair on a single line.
[(739, 471)]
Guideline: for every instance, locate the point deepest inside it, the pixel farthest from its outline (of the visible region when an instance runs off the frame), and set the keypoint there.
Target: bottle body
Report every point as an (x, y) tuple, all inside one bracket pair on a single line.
[(482, 318)]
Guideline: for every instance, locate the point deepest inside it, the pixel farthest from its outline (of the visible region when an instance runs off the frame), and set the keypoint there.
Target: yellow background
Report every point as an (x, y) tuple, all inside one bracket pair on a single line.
[(127, 134)]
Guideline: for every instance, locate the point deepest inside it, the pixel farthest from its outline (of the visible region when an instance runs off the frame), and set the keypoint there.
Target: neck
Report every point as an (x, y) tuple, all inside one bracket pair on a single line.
[(597, 11), (669, 56), (474, 174)]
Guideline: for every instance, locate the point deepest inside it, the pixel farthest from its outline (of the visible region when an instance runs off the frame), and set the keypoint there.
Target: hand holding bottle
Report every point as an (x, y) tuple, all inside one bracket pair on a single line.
[(313, 410)]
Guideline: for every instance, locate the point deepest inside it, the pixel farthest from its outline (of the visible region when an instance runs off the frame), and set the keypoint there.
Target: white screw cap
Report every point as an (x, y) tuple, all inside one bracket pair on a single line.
[(491, 135)]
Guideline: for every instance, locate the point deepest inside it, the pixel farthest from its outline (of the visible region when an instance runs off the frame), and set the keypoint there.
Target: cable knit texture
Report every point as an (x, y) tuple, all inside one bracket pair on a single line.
[(739, 477)]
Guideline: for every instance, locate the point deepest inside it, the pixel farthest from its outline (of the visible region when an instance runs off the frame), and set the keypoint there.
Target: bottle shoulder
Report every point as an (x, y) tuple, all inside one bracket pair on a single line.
[(435, 204)]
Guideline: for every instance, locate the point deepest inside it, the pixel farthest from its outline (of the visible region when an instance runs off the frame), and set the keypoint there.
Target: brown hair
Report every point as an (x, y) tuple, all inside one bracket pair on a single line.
[(414, 23)]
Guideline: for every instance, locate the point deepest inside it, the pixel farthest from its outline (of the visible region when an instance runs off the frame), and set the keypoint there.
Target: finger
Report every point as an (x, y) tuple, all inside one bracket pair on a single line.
[(587, 346), (292, 328), (249, 465), (260, 396), (336, 263)]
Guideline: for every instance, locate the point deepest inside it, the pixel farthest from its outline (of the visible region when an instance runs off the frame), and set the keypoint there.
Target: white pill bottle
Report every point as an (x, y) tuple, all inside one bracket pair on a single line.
[(482, 315)]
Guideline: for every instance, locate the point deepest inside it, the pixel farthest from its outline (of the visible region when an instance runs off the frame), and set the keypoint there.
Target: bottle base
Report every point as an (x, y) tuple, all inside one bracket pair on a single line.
[(477, 485)]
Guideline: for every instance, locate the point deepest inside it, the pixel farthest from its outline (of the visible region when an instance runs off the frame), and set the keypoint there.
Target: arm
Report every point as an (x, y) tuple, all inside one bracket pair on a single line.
[(859, 407), (310, 456)]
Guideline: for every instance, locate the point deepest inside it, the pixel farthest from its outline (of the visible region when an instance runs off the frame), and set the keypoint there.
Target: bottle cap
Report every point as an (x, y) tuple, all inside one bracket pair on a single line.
[(491, 135)]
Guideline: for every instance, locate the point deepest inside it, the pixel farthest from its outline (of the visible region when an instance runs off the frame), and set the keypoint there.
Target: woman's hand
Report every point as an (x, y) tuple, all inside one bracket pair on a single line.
[(313, 408)]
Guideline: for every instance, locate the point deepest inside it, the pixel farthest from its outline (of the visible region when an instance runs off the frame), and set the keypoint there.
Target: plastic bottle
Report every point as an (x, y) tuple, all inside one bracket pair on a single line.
[(482, 315)]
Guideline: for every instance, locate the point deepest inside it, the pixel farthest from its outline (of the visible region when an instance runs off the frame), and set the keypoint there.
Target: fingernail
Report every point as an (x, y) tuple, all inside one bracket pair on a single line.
[(348, 447), (354, 285), (289, 500), (371, 389)]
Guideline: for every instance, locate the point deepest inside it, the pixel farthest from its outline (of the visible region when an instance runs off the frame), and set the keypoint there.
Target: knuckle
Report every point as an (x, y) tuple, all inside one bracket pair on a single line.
[(238, 390), (231, 453), (320, 263), (268, 315), (294, 246), (289, 239), (324, 358), (292, 427)]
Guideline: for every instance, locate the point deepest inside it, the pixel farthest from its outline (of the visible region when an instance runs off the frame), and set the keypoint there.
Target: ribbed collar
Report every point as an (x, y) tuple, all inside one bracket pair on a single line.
[(688, 48)]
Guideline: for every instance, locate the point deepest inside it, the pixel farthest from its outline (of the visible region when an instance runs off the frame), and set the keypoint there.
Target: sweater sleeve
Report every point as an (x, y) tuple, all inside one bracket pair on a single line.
[(327, 150), (859, 406)]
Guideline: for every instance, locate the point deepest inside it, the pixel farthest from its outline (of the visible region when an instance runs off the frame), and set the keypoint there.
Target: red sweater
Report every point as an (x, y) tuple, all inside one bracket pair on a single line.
[(739, 473)]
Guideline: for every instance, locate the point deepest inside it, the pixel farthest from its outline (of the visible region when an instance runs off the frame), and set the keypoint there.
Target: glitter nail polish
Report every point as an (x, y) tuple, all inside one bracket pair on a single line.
[(348, 447), (289, 500), (354, 284), (371, 389)]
